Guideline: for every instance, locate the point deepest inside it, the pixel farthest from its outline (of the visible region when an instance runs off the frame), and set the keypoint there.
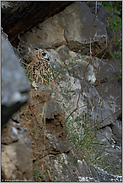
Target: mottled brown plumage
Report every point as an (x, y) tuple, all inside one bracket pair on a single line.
[(40, 68)]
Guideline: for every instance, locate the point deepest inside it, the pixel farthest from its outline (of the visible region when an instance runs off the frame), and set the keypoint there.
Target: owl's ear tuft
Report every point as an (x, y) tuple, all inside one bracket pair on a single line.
[(36, 48)]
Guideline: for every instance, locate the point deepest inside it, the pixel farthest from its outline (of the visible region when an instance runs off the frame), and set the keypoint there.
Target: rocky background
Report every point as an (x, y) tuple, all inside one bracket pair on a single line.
[(87, 88)]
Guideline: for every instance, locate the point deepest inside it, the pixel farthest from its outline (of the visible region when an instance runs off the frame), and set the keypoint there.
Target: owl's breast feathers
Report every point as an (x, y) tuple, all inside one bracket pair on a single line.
[(39, 66)]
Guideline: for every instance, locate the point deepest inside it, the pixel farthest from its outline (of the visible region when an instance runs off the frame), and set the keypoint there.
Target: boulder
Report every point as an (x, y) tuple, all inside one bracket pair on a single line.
[(15, 85), (16, 164), (104, 15), (70, 28), (99, 79), (50, 147), (66, 37), (97, 97), (53, 156), (26, 14)]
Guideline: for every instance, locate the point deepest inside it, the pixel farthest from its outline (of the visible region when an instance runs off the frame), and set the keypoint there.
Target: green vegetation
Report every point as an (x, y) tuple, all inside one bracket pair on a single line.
[(82, 129), (115, 24), (82, 134)]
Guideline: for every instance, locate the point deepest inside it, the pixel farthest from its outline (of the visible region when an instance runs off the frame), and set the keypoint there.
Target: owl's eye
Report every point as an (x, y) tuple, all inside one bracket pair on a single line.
[(43, 54)]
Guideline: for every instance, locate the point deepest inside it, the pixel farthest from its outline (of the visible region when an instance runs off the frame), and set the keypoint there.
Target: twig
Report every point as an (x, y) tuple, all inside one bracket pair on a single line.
[(109, 115), (75, 110), (94, 21), (96, 8), (82, 85), (84, 79), (90, 58), (91, 30), (105, 118)]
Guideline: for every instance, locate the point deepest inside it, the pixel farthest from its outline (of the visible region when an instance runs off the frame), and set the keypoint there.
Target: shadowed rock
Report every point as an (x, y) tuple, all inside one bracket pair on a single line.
[(16, 164), (15, 85), (25, 14)]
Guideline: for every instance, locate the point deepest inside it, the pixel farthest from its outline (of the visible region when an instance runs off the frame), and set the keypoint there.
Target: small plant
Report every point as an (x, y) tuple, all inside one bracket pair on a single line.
[(37, 175), (115, 24), (82, 130), (82, 134)]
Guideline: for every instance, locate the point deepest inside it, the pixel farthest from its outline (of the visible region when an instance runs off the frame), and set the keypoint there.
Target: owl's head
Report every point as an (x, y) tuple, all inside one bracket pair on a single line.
[(40, 53), (37, 55)]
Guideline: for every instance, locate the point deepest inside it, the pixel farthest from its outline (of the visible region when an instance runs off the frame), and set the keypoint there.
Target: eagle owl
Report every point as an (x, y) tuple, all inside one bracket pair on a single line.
[(39, 68)]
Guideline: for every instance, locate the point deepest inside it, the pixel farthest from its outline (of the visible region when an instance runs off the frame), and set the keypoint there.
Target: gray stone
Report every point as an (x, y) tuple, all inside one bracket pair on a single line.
[(103, 15), (16, 164), (15, 85), (70, 28), (53, 109), (63, 35), (24, 14), (77, 32)]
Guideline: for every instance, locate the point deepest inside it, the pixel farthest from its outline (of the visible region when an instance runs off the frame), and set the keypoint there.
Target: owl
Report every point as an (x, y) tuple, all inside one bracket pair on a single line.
[(39, 68)]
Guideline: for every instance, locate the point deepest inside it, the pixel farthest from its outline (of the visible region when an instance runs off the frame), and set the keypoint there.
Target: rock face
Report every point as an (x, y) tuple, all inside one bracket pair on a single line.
[(25, 14), (70, 28), (83, 84), (16, 164), (103, 15), (104, 109), (46, 124), (15, 157), (101, 92), (15, 85), (52, 154)]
